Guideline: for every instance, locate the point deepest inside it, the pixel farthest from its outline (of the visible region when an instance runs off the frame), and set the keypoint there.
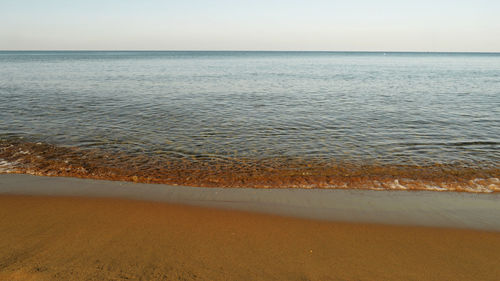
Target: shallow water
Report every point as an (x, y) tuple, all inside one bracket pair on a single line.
[(307, 119)]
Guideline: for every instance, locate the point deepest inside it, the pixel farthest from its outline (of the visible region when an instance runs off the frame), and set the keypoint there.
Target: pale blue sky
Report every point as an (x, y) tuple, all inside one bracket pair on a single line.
[(355, 25)]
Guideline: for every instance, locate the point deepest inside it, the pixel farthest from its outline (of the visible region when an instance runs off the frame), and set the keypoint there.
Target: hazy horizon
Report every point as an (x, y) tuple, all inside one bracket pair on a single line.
[(222, 25), (256, 51)]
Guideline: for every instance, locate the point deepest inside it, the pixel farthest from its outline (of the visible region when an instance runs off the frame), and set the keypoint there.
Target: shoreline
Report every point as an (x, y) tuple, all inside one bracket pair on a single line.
[(46, 159), (410, 208)]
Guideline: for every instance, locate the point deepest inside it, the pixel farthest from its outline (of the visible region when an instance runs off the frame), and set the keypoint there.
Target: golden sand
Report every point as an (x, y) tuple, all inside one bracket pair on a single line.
[(59, 238)]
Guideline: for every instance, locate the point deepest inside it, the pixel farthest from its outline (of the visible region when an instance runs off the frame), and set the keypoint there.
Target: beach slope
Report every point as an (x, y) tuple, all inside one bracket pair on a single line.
[(70, 238)]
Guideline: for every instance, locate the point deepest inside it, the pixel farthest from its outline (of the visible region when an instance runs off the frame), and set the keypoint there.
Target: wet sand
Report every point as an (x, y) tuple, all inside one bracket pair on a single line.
[(68, 238), (413, 208)]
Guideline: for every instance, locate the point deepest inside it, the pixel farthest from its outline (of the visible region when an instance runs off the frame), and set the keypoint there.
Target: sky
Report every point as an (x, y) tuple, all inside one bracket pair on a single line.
[(354, 25)]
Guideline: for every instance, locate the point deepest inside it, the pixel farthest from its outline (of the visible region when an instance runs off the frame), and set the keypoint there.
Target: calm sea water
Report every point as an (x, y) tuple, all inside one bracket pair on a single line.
[(416, 109)]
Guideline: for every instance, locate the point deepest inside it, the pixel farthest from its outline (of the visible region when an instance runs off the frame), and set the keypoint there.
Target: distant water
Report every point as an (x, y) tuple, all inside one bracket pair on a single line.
[(263, 119)]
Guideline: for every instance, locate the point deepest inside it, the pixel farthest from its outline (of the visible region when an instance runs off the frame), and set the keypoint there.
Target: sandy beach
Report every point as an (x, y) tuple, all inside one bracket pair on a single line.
[(69, 238), (48, 235)]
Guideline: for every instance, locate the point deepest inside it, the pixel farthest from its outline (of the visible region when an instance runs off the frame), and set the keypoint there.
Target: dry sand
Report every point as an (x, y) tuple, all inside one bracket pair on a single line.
[(69, 238)]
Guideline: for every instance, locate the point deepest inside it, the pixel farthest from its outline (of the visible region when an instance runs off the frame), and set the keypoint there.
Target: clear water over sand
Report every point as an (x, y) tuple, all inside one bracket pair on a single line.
[(263, 119)]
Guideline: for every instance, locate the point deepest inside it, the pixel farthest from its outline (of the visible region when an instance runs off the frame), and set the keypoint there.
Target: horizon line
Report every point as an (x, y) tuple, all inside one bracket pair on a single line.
[(235, 50)]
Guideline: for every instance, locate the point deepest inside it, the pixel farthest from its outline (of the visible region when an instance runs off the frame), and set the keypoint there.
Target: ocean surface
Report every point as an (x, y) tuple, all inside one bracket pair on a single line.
[(255, 119)]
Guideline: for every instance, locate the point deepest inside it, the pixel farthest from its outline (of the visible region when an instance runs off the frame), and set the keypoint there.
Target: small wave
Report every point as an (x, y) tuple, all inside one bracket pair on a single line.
[(50, 160), (469, 143), (444, 144), (7, 167)]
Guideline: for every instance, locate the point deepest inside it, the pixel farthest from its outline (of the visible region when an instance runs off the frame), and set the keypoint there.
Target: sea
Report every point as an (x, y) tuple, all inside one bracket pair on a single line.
[(353, 120)]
